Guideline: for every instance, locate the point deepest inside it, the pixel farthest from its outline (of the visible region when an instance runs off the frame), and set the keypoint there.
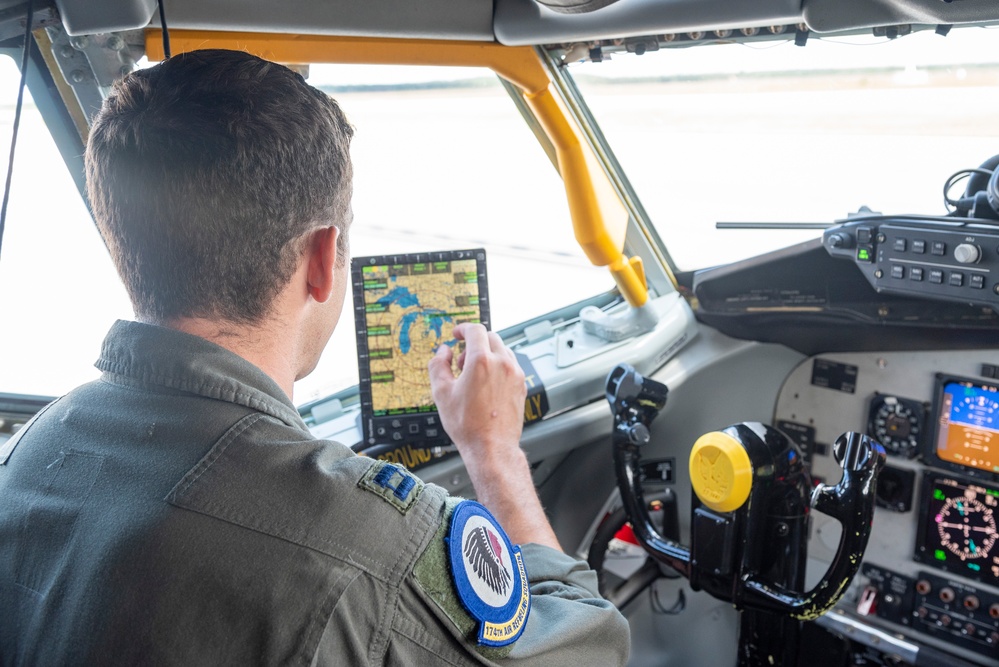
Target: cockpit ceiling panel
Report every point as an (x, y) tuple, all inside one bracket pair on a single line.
[(522, 22), (833, 15), (426, 19)]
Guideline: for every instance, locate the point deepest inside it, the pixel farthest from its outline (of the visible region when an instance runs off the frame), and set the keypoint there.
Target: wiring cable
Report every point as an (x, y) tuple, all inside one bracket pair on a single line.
[(955, 178), (166, 32), (29, 19)]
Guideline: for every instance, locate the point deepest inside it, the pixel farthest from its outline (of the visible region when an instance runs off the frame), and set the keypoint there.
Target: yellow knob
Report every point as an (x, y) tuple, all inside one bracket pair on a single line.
[(720, 471)]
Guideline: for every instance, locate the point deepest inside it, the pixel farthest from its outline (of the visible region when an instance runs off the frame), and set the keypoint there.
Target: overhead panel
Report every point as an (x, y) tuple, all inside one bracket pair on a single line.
[(831, 15), (426, 19), (520, 22)]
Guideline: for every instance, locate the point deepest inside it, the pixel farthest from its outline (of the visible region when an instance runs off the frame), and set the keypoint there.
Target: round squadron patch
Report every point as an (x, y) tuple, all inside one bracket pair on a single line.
[(489, 574)]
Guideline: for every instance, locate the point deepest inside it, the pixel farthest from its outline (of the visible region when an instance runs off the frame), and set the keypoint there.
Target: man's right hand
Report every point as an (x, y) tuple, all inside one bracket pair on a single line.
[(482, 411), (483, 408)]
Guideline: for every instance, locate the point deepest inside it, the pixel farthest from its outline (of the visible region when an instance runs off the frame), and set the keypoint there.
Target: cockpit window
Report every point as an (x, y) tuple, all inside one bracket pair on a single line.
[(59, 292), (442, 160), (772, 132)]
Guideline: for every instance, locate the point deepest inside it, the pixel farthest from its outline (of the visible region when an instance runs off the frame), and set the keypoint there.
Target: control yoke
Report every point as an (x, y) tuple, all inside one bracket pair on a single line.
[(752, 496)]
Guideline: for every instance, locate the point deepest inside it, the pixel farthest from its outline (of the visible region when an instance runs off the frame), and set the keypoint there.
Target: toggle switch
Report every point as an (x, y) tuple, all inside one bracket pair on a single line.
[(868, 601)]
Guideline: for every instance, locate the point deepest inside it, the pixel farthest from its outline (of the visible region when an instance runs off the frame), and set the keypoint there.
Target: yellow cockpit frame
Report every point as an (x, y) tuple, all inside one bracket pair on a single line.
[(599, 218)]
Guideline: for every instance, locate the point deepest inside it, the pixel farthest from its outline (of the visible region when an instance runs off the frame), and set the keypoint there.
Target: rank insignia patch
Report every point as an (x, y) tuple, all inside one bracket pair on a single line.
[(489, 574)]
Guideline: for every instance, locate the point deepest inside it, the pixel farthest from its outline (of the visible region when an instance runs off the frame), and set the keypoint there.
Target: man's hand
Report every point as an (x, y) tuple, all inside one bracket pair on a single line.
[(483, 412), (483, 408)]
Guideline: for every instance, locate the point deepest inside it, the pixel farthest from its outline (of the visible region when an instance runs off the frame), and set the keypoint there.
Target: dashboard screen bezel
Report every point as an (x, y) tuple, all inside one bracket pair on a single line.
[(930, 455), (923, 551)]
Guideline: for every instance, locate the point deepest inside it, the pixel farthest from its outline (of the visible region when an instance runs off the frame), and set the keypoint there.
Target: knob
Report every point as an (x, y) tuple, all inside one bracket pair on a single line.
[(639, 434), (967, 253), (840, 240)]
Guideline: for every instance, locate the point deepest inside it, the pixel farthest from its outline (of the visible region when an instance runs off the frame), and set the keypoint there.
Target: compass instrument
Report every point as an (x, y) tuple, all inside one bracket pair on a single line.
[(958, 527), (897, 423)]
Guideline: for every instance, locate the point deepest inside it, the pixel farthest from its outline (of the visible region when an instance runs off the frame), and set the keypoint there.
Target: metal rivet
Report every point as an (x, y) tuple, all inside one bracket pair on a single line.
[(80, 42)]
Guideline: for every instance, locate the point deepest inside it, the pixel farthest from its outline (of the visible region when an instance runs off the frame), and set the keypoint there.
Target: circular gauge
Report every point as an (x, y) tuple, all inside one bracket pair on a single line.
[(897, 423), (967, 527)]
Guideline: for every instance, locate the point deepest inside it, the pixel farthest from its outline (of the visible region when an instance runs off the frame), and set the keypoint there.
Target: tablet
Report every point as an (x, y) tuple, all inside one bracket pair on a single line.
[(405, 308)]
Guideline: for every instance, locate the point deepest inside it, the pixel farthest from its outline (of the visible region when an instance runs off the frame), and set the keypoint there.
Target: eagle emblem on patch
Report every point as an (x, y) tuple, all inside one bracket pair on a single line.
[(485, 554), (489, 574)]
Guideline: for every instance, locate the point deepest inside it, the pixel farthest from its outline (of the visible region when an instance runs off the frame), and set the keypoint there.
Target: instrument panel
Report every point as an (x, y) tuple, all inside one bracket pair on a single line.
[(930, 575)]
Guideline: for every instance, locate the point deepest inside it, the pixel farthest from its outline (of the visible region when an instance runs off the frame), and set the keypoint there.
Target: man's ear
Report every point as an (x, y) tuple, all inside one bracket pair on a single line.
[(322, 263)]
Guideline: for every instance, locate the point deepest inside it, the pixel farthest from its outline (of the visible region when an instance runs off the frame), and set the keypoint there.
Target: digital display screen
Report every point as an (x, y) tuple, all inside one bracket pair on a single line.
[(406, 307), (957, 529), (967, 424)]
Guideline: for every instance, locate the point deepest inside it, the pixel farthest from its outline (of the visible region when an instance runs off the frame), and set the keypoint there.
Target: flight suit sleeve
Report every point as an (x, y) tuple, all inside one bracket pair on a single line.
[(568, 622)]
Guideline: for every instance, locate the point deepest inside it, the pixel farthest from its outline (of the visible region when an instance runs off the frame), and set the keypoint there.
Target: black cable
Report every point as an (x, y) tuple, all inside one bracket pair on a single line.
[(166, 32), (29, 20), (954, 179)]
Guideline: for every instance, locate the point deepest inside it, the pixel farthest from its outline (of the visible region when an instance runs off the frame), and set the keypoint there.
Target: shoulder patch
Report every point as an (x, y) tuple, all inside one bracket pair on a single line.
[(489, 574), (392, 483)]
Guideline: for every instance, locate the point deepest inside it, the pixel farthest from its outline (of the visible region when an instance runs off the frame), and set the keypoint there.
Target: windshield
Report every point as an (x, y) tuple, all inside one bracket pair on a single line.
[(773, 132), (442, 160)]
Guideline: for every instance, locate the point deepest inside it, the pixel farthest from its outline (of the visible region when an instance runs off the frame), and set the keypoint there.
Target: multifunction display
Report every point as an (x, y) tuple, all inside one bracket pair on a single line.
[(958, 527), (967, 425), (405, 308)]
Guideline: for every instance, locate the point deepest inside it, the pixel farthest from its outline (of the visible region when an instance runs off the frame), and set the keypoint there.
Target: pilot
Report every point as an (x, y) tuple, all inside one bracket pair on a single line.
[(178, 510)]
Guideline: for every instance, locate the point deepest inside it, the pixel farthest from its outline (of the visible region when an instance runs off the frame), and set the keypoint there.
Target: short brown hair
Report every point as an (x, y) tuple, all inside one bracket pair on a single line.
[(204, 174)]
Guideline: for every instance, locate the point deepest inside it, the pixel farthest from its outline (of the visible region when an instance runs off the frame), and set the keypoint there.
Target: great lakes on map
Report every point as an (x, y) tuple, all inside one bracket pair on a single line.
[(410, 311)]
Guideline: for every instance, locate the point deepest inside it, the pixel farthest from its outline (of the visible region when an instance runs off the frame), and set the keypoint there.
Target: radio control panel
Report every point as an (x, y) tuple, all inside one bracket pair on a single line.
[(940, 259)]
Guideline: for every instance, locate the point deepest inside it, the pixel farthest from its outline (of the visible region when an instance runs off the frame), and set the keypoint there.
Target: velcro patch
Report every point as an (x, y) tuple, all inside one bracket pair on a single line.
[(394, 484), (489, 574)]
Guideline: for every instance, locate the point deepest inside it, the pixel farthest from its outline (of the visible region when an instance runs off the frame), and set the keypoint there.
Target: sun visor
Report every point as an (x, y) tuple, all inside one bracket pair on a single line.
[(89, 17)]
